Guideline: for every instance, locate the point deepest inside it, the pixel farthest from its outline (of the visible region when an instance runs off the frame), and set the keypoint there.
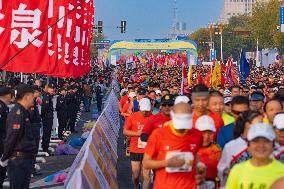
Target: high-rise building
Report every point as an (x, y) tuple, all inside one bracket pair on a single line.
[(237, 7)]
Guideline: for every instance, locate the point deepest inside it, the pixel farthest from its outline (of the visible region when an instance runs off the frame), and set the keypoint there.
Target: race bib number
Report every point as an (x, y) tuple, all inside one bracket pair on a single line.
[(187, 167), (141, 144)]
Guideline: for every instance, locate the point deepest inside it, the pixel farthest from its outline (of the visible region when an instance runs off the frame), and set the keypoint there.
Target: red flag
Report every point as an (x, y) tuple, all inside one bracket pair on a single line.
[(231, 76), (199, 79), (184, 83), (223, 67), (207, 80)]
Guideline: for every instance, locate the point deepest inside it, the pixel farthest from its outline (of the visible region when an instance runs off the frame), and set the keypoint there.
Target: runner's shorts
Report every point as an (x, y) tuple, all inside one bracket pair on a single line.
[(136, 157)]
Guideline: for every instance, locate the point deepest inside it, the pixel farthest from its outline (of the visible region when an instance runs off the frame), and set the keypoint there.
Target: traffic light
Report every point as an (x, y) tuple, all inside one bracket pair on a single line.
[(123, 26), (100, 26)]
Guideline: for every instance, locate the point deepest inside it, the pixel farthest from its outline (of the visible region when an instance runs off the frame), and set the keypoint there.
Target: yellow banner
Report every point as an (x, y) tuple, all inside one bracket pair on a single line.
[(216, 76), (174, 45)]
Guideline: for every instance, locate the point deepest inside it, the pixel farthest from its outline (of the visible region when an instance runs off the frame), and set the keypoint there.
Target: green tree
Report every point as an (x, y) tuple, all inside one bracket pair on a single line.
[(201, 37), (232, 42), (263, 24)]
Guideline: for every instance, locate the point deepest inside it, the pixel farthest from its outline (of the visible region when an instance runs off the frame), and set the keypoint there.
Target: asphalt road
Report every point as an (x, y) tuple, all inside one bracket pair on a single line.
[(123, 166)]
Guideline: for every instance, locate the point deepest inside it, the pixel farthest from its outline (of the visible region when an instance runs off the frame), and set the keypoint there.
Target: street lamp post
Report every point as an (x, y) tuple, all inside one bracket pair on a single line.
[(257, 54), (221, 26)]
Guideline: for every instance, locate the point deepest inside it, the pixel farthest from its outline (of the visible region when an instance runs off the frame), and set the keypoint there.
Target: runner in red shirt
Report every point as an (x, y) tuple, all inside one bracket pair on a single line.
[(209, 153), (133, 128), (125, 98), (172, 151), (125, 109), (158, 120), (200, 98)]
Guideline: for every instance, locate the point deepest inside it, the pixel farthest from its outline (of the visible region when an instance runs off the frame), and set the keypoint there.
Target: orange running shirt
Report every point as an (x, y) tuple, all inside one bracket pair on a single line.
[(135, 123), (123, 100), (155, 122), (164, 140), (210, 156)]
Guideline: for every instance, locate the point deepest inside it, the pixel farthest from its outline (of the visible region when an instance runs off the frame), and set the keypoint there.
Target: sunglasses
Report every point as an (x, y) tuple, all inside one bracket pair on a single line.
[(236, 112), (170, 105)]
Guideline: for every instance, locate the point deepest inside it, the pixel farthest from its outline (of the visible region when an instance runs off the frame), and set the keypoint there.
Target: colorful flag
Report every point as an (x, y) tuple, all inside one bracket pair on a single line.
[(244, 70), (184, 82), (223, 67), (216, 76), (231, 76), (208, 77), (189, 76)]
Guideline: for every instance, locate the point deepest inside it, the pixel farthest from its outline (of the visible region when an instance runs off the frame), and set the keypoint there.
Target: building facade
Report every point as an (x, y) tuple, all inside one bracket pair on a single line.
[(237, 7)]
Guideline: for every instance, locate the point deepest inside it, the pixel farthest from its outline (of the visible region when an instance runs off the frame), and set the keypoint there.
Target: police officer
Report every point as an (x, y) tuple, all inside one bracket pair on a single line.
[(99, 96), (5, 99), (78, 98), (47, 116), (35, 120), (61, 108), (72, 107), (20, 145)]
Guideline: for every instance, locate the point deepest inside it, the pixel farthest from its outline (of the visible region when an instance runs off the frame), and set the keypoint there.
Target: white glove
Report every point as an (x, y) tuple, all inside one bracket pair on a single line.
[(4, 163)]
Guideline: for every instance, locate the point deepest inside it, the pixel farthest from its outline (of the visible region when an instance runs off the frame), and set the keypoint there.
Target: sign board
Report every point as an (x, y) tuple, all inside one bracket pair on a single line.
[(213, 55), (113, 60), (102, 41), (282, 19)]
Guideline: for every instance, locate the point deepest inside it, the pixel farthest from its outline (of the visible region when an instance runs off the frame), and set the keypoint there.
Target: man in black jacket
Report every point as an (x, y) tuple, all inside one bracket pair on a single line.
[(5, 99), (47, 116), (61, 108), (20, 145), (35, 120)]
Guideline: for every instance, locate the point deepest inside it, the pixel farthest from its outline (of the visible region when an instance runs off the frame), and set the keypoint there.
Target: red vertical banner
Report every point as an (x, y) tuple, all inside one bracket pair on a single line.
[(50, 37), (23, 40)]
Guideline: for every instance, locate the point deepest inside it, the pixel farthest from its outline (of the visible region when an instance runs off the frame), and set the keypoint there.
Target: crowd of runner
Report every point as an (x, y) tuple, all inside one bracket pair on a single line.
[(232, 137)]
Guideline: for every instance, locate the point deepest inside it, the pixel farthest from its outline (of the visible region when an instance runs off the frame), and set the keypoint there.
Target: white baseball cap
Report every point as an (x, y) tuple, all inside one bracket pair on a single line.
[(227, 92), (205, 123), (227, 100), (181, 99), (181, 121), (132, 94), (158, 92), (261, 130), (278, 121), (144, 104)]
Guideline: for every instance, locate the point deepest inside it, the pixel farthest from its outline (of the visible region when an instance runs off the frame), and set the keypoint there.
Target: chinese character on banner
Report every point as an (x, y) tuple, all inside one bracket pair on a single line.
[(24, 19), (67, 36)]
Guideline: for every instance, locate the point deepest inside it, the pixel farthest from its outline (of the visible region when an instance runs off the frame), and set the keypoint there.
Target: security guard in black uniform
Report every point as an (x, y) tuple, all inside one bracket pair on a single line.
[(99, 97), (36, 121), (61, 108), (72, 107), (47, 116), (20, 145), (5, 99)]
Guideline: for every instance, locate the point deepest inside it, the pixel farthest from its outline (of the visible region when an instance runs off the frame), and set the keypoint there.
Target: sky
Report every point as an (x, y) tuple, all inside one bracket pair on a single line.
[(152, 19)]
